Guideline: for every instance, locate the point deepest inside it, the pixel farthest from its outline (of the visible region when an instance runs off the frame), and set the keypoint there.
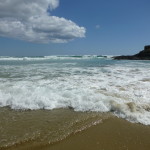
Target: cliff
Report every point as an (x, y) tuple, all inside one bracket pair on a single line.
[(142, 55)]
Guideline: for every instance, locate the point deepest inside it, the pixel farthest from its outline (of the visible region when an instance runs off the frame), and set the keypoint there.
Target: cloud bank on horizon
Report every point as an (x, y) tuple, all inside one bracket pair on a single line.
[(31, 21)]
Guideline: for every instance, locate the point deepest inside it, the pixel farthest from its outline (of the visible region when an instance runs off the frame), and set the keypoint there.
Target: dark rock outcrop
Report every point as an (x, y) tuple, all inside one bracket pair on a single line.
[(142, 55)]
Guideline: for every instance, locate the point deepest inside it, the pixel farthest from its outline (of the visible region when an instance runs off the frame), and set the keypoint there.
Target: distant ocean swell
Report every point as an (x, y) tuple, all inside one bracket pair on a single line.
[(53, 57), (101, 85)]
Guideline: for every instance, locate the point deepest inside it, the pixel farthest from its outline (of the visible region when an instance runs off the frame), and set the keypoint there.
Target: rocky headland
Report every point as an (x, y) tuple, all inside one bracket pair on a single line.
[(142, 55)]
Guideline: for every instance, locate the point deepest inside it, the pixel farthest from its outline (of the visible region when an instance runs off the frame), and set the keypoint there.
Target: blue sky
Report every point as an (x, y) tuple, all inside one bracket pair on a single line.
[(107, 27)]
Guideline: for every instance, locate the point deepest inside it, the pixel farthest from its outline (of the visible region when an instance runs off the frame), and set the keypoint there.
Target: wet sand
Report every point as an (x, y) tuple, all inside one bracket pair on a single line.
[(112, 134)]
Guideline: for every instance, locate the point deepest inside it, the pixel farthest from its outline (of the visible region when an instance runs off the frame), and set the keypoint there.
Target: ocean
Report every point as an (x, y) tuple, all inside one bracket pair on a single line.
[(46, 99)]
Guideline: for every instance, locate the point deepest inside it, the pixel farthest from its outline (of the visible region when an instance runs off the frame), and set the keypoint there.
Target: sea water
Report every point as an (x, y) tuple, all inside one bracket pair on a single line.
[(87, 83), (72, 87)]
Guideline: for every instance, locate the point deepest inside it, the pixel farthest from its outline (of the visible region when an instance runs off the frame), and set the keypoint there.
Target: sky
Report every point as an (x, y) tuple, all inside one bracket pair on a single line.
[(73, 27)]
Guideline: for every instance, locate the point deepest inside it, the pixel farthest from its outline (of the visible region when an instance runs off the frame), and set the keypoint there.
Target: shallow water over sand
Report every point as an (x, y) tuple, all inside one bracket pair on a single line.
[(43, 100), (43, 127), (113, 134), (66, 129)]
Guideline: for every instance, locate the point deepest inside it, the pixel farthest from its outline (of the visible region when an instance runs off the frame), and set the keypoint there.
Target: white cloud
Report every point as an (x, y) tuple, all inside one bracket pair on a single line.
[(97, 26), (29, 20)]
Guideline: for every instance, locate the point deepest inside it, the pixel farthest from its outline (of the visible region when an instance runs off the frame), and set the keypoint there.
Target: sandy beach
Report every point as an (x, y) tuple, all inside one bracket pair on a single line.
[(112, 134), (74, 75), (74, 103)]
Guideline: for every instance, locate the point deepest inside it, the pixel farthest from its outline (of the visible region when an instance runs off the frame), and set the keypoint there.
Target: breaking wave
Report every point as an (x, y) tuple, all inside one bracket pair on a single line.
[(118, 87), (53, 57)]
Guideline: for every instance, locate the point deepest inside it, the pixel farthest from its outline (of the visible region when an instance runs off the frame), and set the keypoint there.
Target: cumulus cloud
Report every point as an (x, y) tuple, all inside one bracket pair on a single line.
[(29, 20)]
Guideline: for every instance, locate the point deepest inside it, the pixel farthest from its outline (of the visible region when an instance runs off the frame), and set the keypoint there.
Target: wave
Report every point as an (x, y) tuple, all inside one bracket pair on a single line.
[(103, 86), (54, 57), (118, 89)]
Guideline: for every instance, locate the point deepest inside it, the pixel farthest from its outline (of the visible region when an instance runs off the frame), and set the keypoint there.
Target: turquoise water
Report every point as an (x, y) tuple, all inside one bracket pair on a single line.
[(83, 83)]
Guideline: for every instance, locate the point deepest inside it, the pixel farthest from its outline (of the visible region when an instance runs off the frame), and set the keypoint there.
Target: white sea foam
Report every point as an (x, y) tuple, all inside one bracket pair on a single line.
[(53, 57), (120, 88)]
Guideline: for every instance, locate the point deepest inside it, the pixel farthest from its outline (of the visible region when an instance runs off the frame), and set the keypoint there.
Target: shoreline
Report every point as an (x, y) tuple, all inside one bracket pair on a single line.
[(113, 134)]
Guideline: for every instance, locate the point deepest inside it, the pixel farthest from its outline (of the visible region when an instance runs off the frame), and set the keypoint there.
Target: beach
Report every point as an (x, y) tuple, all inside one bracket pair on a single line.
[(74, 75), (74, 102), (111, 133)]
